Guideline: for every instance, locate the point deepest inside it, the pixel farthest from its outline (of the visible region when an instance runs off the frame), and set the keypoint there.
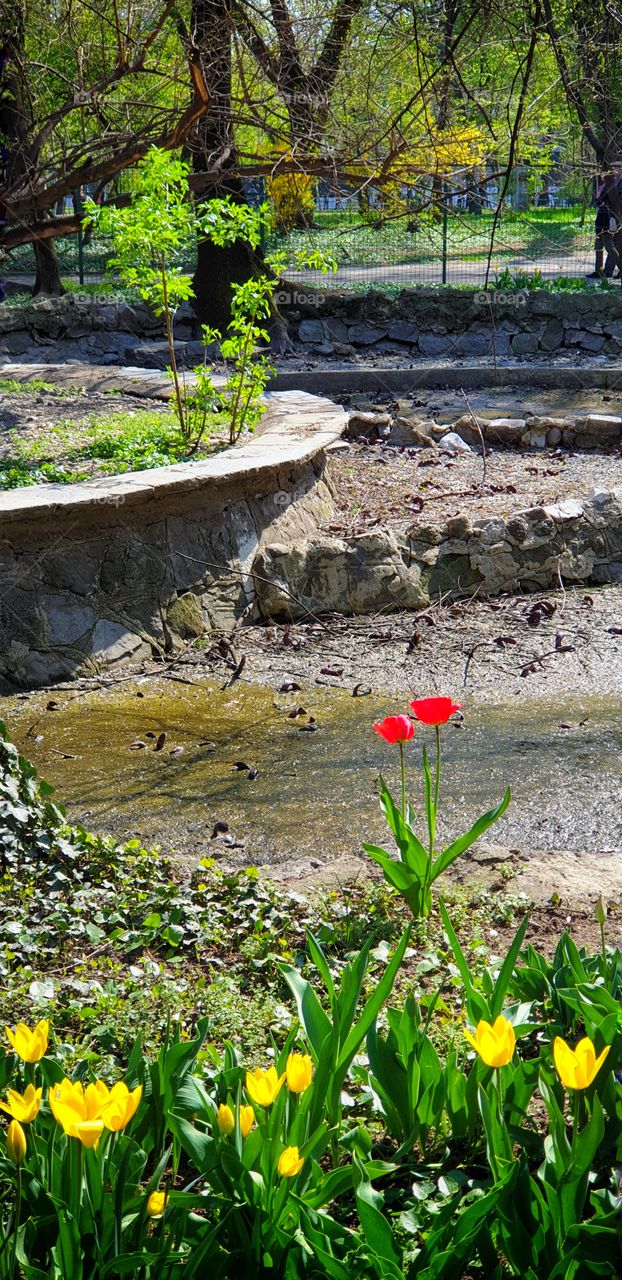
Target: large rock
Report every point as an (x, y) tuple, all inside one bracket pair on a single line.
[(367, 425), (326, 575), (403, 331), (434, 344), (525, 344)]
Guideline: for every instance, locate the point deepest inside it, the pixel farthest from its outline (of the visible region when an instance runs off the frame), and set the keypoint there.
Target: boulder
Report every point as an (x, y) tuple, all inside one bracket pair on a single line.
[(328, 575), (524, 344), (504, 430), (410, 433), (403, 331)]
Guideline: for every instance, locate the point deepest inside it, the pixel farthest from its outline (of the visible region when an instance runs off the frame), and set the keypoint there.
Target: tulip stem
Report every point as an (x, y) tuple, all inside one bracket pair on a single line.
[(403, 772), (18, 1209), (603, 948), (577, 1115), (437, 779)]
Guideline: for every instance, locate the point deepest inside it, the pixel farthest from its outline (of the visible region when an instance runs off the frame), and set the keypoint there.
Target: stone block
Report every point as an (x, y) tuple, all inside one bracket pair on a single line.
[(434, 344), (67, 619), (311, 331), (552, 335), (334, 329), (525, 344), (504, 430), (403, 331), (592, 342), (15, 344), (367, 425), (365, 335), (409, 433), (112, 643), (473, 344)]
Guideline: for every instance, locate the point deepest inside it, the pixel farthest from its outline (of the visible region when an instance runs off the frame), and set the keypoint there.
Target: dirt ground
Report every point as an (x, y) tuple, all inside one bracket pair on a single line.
[(379, 485)]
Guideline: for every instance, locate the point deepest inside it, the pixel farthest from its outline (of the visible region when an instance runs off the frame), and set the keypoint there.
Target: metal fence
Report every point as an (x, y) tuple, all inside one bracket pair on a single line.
[(378, 250)]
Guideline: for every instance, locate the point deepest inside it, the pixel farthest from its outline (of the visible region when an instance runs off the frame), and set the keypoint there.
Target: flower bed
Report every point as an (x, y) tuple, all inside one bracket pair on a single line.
[(367, 1140)]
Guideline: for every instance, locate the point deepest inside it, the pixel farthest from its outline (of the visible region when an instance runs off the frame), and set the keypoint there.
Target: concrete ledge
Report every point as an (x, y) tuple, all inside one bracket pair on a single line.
[(296, 427), (332, 382)]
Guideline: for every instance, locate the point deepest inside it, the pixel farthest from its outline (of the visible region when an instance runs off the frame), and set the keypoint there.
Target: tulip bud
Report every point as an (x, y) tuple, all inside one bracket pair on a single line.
[(225, 1120), (156, 1204), (16, 1143), (600, 911)]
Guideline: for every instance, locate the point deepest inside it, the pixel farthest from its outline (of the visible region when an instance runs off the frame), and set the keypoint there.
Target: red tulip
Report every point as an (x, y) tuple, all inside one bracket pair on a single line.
[(395, 729), (434, 711)]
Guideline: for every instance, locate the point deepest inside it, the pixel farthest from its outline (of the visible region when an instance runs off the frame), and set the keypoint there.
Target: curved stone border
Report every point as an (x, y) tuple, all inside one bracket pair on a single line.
[(127, 566)]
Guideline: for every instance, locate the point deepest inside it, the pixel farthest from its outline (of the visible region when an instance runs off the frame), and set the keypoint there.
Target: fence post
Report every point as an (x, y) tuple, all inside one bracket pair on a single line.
[(77, 204), (444, 248)]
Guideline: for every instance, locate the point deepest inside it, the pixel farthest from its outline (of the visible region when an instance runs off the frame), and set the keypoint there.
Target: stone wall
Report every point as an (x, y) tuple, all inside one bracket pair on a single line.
[(433, 323), (531, 550), (130, 566), (425, 323)]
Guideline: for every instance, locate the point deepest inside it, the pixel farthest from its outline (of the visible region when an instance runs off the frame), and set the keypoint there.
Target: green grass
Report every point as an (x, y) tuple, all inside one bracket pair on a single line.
[(9, 386), (356, 241), (110, 445)]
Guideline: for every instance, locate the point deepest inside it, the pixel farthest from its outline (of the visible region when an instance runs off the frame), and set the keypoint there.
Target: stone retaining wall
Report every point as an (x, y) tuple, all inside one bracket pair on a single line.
[(455, 322), (129, 566), (530, 550), (426, 323)]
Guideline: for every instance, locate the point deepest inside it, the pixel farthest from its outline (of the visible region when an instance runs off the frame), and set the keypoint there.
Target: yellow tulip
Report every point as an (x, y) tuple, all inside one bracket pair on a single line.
[(495, 1044), (120, 1106), (16, 1142), (577, 1068), (299, 1072), (263, 1086), (225, 1120), (156, 1204), (30, 1046), (72, 1105), (247, 1120), (290, 1162), (23, 1106)]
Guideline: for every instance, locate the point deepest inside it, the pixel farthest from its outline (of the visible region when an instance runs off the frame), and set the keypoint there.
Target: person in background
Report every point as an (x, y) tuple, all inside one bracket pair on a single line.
[(611, 233)]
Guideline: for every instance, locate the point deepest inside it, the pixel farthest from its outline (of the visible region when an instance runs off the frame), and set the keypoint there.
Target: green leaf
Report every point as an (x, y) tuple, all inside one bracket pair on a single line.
[(464, 842), (507, 969), (310, 1012), (377, 1231)]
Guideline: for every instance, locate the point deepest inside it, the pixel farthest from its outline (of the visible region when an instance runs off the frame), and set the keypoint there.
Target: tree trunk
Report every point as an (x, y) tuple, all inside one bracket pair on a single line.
[(212, 145), (47, 278)]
